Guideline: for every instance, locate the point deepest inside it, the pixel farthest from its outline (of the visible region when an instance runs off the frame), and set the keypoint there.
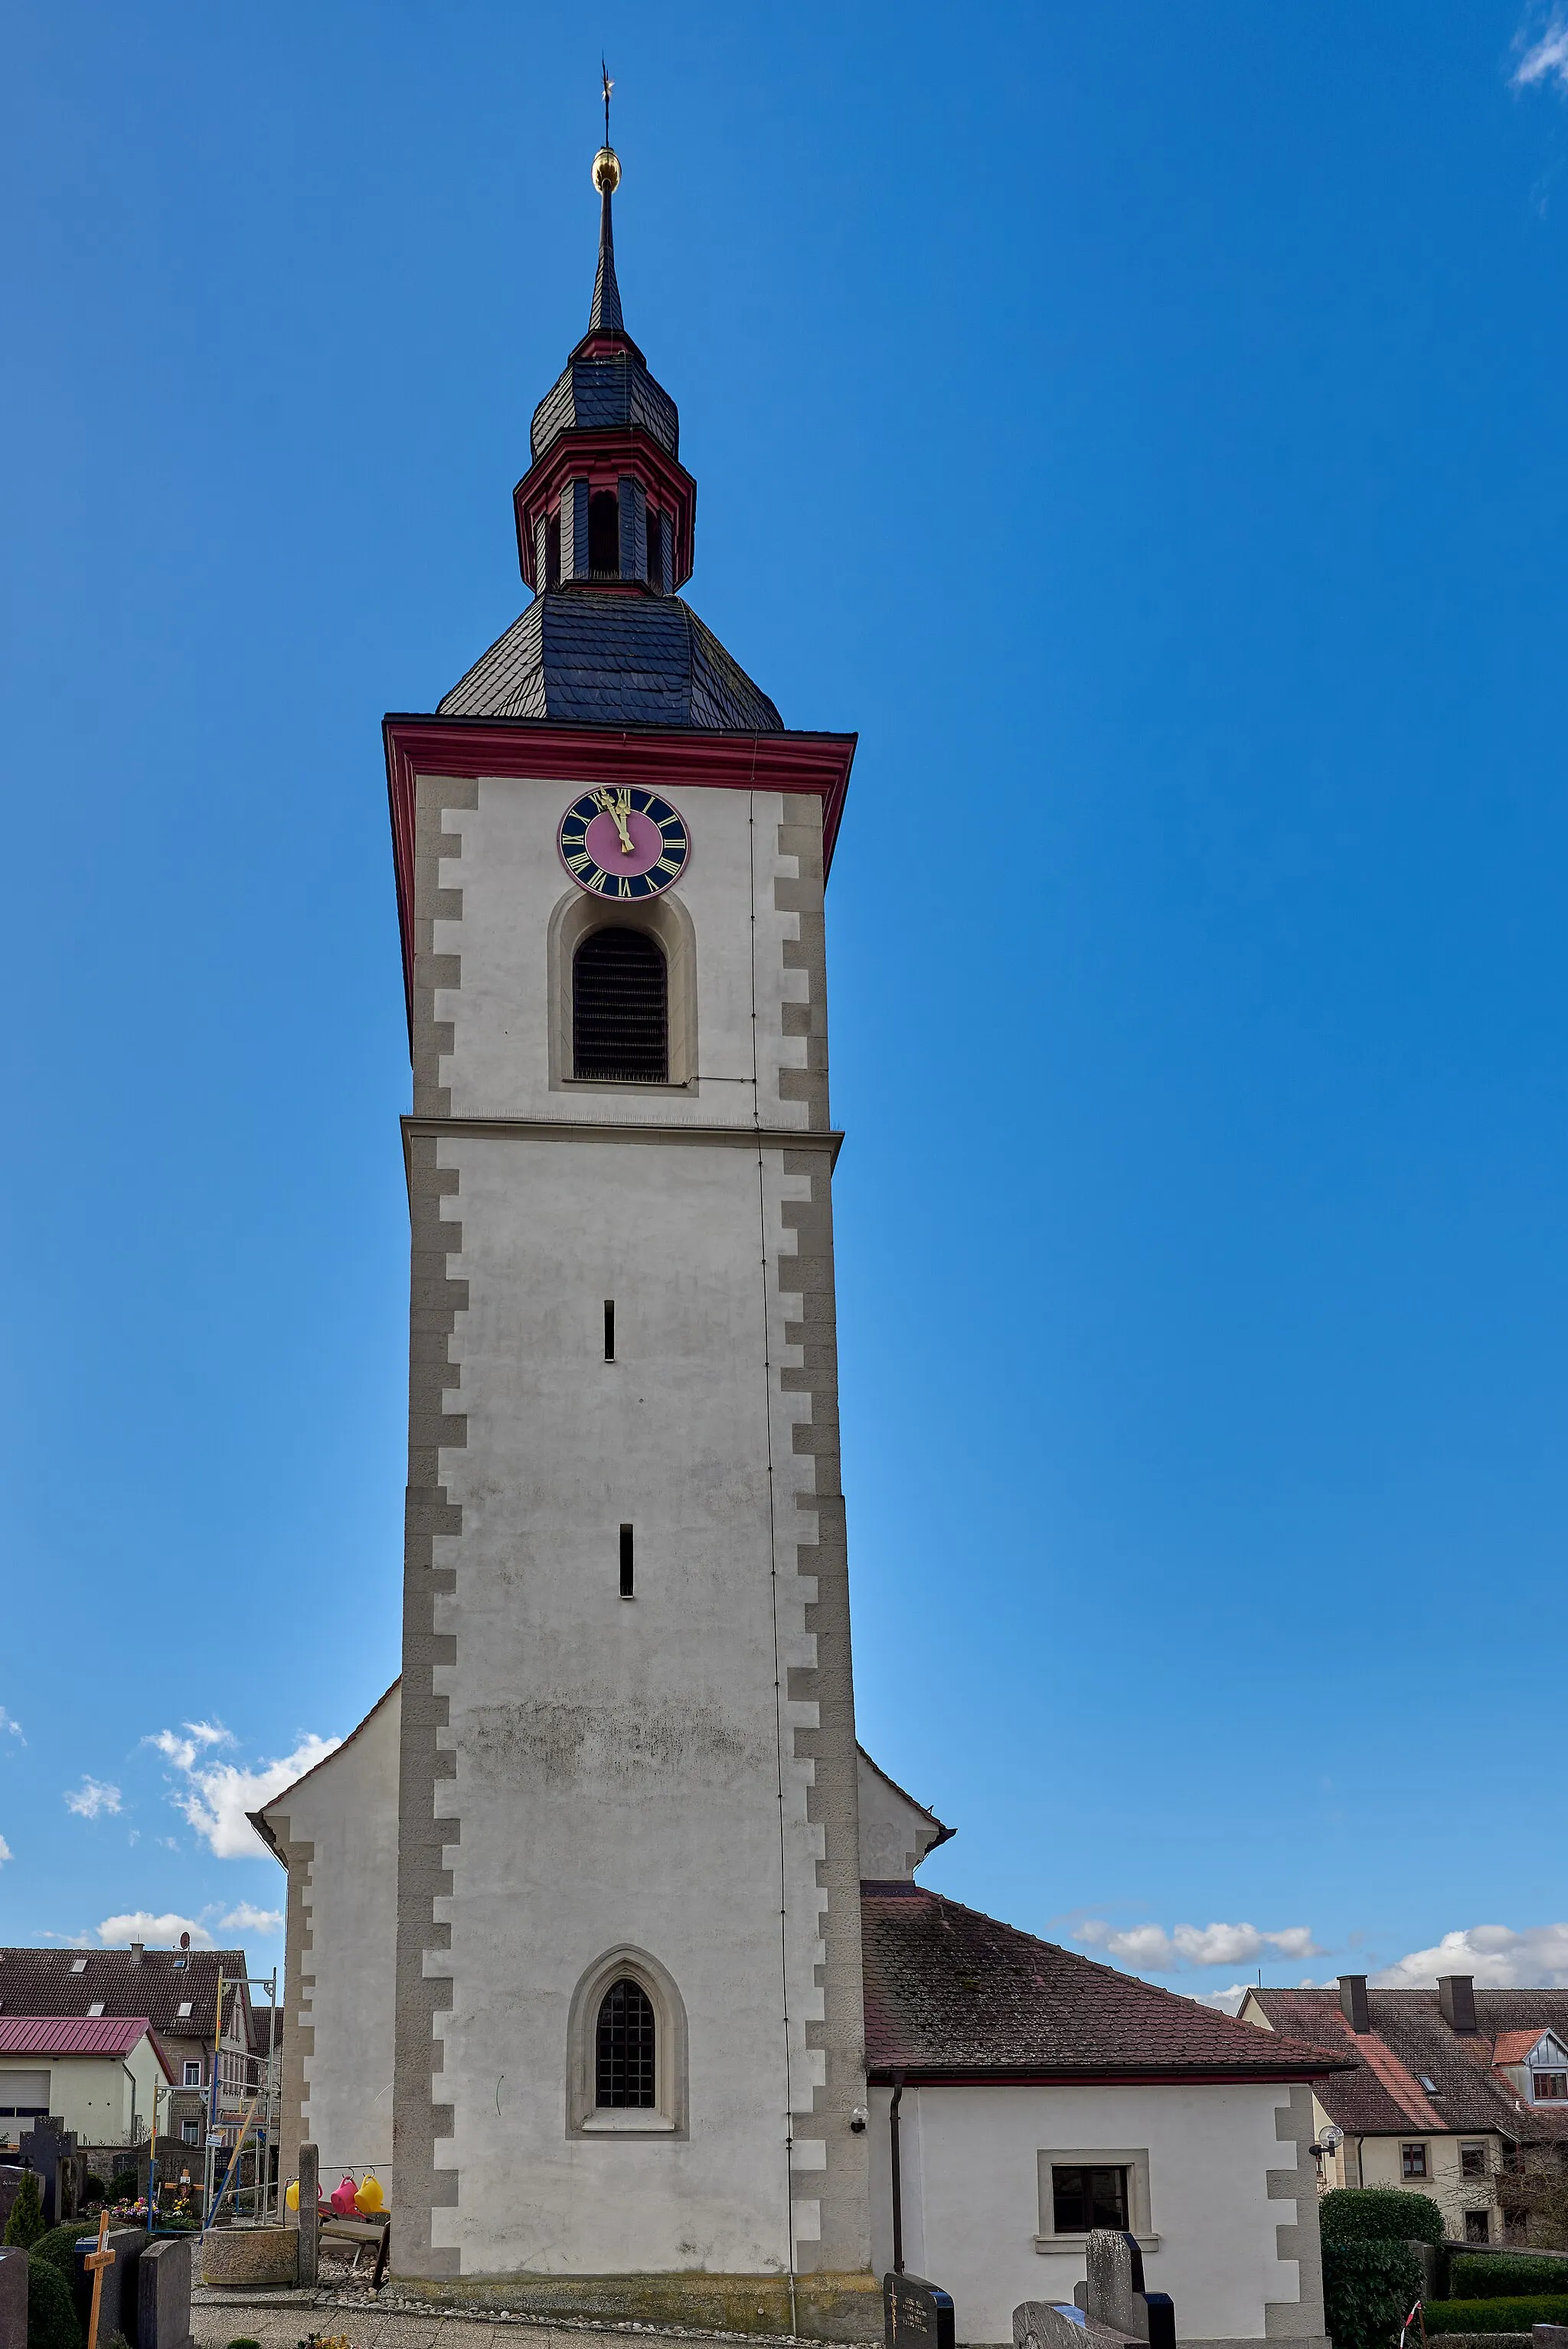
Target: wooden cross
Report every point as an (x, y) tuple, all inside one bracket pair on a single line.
[(95, 2264)]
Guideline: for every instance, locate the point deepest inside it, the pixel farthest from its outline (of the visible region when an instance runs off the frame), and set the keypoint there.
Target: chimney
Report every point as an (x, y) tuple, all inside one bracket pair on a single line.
[(136, 1950), (1456, 2001), (1353, 2001)]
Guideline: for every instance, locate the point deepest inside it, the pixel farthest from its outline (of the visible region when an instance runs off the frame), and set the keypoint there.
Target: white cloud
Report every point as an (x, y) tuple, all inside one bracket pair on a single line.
[(248, 1918), (9, 1726), (1498, 1957), (1194, 1945), (1543, 59), (92, 1798), (160, 1932), (217, 1794), (1226, 2001), (6, 1852)]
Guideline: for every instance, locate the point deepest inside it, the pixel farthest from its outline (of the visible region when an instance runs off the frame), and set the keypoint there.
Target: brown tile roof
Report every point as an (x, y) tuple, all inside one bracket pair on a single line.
[(71, 2034), (1513, 2046), (42, 1981), (1408, 2039), (952, 1994)]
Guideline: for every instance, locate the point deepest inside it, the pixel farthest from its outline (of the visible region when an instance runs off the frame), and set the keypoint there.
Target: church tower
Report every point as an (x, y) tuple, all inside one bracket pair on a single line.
[(629, 2046)]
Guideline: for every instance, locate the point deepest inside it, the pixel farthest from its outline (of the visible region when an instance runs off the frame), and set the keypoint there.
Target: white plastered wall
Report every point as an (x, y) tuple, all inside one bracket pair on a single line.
[(346, 1809), (101, 2097), (617, 1765), (970, 2161)]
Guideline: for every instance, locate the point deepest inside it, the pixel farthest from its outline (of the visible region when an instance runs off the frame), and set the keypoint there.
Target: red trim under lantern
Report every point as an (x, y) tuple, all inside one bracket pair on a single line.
[(663, 758)]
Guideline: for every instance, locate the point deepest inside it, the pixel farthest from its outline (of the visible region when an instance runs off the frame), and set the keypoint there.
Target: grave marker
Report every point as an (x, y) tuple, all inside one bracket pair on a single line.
[(915, 2314)]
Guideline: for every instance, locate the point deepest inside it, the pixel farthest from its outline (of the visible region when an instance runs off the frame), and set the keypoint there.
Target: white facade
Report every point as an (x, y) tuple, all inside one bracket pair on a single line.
[(1222, 2161), (105, 2099), (337, 1829), (621, 1775)]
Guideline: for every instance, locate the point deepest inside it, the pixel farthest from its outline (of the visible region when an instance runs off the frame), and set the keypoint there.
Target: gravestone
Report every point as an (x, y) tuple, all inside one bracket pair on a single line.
[(50, 2148), (915, 2314), (1113, 2295), (116, 2303), (163, 2294), (309, 2213), (13, 2299)]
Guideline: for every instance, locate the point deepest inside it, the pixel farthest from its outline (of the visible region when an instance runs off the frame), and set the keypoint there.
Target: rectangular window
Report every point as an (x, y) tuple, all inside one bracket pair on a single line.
[(1472, 2161), (609, 1329), (193, 2073), (97, 2006), (190, 2132), (1413, 2160), (1084, 2198), (185, 2005), (1550, 2088), (627, 1591), (79, 1965), (1477, 2227)]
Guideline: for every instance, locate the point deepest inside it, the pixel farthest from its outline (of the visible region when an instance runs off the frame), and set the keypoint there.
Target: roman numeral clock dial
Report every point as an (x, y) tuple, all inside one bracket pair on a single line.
[(623, 844)]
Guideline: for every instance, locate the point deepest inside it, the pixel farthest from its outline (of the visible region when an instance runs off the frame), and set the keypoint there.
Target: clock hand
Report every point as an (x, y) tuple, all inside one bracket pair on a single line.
[(617, 806)]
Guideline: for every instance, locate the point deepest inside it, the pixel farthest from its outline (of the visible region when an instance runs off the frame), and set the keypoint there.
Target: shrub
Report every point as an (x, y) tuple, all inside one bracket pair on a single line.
[(123, 2187), (59, 2247), (1379, 2214), (1506, 2274), (1510, 2315), (93, 2188), (51, 2318), (243, 2343), (26, 2223), (1367, 2291)]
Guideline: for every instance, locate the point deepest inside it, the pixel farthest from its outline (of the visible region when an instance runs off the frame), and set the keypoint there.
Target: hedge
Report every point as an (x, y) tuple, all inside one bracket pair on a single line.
[(51, 2318), (1506, 2274), (1511, 2315), (1378, 2214), (59, 2249), (1367, 2291)]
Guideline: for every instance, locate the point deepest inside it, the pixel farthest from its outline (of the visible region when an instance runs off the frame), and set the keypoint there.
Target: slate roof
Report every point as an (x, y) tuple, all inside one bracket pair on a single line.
[(1383, 2096), (41, 1982), (606, 393), (67, 2034), (952, 1994), (612, 661)]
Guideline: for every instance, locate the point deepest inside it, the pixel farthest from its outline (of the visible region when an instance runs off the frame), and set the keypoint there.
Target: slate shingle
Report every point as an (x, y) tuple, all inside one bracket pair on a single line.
[(612, 660)]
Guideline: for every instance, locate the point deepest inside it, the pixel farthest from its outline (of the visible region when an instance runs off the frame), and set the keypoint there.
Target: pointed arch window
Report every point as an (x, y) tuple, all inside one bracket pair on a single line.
[(620, 1009), (627, 2049)]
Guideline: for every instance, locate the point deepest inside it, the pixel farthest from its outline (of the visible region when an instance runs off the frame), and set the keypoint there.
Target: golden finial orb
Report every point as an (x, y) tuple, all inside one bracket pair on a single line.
[(606, 171)]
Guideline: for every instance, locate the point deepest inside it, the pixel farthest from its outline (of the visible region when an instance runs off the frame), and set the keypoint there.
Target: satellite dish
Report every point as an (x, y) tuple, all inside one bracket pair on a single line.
[(185, 1940)]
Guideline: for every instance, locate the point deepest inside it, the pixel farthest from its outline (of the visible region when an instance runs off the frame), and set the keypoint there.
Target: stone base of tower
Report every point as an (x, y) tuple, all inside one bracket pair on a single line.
[(826, 2307)]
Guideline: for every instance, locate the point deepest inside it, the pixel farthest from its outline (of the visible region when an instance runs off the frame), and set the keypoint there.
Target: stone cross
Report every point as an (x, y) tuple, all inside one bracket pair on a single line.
[(95, 2264)]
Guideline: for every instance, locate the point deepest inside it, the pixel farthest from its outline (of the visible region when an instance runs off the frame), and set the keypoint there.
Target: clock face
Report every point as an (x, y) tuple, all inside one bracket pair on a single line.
[(623, 843)]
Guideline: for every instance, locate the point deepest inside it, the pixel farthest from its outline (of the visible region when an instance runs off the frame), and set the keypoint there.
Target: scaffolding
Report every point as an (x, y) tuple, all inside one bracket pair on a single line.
[(241, 2184)]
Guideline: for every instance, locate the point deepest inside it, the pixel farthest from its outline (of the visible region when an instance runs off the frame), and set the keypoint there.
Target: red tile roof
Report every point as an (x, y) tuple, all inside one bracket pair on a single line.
[(44, 1982), (952, 1994), (1382, 2097), (78, 2034), (1513, 2046)]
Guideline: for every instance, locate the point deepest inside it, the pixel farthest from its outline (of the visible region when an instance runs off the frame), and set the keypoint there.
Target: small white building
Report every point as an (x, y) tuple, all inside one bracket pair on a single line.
[(98, 2074)]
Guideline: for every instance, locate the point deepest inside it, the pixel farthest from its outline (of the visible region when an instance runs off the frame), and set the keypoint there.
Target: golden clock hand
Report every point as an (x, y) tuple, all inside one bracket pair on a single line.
[(617, 806)]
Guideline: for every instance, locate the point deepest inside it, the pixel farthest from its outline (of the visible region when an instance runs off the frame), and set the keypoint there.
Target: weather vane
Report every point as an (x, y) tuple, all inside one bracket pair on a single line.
[(609, 86), (606, 162)]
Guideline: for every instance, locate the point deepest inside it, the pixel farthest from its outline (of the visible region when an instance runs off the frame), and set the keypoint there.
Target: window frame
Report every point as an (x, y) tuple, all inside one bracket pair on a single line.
[(1484, 2235), (1133, 2159), (1554, 2096), (669, 2117), (191, 2063), (1411, 2149), (666, 920), (1473, 2162)]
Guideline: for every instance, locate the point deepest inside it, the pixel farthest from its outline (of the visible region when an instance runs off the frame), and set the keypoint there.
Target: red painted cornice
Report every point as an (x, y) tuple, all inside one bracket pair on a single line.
[(600, 455), (655, 758)]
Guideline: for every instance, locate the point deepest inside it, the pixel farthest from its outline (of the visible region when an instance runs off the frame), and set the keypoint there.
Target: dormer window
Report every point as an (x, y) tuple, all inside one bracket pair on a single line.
[(604, 535), (1550, 2088)]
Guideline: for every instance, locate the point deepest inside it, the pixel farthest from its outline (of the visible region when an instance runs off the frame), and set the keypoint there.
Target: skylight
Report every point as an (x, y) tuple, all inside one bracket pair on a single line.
[(184, 2007), (1429, 2084), (97, 2006), (79, 1965)]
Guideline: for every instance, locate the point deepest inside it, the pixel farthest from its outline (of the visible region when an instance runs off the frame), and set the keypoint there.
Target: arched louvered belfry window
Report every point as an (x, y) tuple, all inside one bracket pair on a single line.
[(620, 1009), (624, 2051), (604, 535)]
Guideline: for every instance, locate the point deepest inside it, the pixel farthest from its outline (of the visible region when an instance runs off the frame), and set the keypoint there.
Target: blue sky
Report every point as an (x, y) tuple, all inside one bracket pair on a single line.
[(1145, 426)]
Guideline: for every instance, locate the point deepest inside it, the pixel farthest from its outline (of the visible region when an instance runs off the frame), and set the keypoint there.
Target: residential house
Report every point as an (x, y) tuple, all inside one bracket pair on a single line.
[(98, 2073), (1449, 2085), (176, 1990)]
